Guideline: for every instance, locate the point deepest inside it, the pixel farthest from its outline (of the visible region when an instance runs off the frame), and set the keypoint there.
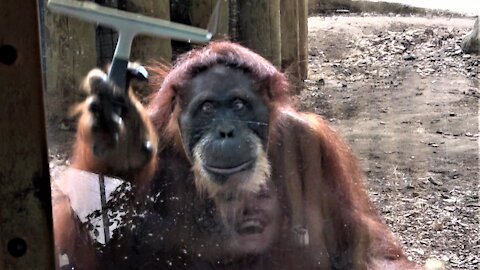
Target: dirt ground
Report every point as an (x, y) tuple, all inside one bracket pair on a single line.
[(407, 101)]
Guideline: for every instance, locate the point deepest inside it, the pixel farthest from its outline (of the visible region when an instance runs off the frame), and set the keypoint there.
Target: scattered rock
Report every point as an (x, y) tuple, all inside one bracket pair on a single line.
[(434, 181), (471, 42), (409, 57), (434, 264), (433, 144), (437, 226)]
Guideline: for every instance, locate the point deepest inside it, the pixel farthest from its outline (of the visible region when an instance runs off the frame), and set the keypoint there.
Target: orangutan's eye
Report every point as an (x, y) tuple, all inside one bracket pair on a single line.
[(239, 105), (207, 107)]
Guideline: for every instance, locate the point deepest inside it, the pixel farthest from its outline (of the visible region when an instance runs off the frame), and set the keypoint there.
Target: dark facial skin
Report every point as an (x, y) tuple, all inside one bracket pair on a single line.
[(224, 120)]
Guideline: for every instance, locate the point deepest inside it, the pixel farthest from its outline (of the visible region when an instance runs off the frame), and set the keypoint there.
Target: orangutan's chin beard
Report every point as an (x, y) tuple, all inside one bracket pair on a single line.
[(249, 177)]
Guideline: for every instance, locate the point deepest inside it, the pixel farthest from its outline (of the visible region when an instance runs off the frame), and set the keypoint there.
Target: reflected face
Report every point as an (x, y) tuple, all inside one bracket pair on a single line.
[(254, 219)]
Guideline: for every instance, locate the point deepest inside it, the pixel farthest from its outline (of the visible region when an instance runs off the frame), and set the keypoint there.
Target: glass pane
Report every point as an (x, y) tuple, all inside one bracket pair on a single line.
[(368, 161)]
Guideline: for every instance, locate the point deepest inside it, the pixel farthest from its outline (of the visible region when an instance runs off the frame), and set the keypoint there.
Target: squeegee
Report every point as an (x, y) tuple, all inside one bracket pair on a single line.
[(128, 25)]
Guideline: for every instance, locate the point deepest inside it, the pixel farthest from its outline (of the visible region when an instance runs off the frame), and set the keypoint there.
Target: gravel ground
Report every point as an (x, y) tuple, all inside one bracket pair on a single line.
[(406, 98)]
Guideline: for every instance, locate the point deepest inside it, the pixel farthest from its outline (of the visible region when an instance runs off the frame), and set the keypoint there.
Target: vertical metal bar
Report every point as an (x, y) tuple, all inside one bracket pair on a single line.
[(103, 202), (26, 240)]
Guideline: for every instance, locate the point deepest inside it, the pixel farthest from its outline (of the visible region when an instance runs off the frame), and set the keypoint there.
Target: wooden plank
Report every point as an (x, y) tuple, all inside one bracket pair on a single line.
[(25, 216), (303, 37), (259, 27), (70, 54), (200, 12), (289, 27)]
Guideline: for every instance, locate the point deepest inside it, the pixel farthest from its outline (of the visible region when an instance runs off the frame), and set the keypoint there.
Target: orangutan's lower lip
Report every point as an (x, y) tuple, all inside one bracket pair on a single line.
[(229, 171)]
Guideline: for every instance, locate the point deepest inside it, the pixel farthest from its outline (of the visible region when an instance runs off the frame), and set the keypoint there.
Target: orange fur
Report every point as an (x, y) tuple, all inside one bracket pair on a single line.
[(322, 185)]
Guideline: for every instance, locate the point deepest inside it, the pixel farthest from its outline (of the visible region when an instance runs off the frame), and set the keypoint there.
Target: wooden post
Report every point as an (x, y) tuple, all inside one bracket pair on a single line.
[(26, 240), (259, 28), (313, 5), (303, 38), (70, 54), (233, 20), (290, 49), (200, 12), (146, 48)]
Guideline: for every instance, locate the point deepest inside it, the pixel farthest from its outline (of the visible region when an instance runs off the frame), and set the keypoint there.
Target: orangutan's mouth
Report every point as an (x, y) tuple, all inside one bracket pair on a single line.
[(232, 170)]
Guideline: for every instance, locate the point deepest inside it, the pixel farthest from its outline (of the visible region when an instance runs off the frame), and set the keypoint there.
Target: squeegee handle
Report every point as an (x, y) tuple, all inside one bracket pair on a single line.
[(118, 69), (118, 73)]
